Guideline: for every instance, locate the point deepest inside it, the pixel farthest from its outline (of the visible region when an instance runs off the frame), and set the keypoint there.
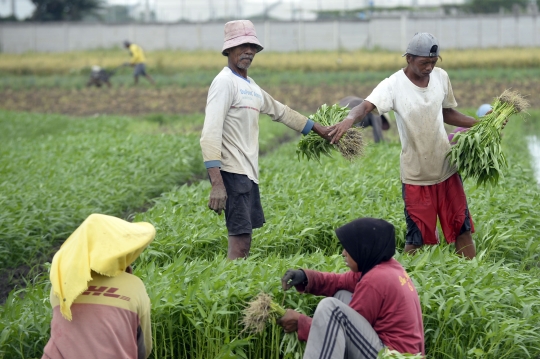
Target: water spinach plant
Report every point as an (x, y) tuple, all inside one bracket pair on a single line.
[(312, 146), (478, 153), (485, 308)]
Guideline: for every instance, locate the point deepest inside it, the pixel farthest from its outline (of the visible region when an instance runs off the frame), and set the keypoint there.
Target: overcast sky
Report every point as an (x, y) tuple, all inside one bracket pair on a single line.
[(23, 8), (201, 10)]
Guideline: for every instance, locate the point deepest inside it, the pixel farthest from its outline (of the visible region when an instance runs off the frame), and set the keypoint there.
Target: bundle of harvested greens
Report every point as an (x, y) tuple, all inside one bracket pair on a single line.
[(259, 312), (394, 354), (312, 146), (477, 153)]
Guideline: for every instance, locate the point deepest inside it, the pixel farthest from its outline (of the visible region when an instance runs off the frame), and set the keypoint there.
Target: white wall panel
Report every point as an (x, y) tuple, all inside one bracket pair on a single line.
[(390, 33)]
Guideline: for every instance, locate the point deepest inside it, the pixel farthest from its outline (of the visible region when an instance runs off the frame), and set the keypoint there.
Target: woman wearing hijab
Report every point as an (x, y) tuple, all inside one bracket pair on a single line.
[(373, 306), (100, 309)]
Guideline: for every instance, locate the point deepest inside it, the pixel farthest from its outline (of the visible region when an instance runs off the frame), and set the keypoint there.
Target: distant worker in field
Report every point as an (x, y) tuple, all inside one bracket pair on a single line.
[(99, 77), (422, 99), (372, 306), (100, 309), (138, 62), (379, 123), (230, 137)]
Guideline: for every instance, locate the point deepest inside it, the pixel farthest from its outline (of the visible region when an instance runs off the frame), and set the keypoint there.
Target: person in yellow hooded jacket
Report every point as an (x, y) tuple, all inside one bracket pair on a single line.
[(138, 62), (100, 309)]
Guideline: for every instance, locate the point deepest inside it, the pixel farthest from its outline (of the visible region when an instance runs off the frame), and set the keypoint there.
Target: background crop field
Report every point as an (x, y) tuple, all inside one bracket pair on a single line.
[(56, 83), (180, 61)]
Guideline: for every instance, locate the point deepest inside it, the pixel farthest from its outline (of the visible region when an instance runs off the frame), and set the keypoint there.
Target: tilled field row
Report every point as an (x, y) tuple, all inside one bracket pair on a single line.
[(172, 100)]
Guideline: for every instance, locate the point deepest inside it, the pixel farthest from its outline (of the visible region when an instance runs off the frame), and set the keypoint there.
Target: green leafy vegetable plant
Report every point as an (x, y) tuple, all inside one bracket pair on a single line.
[(312, 146), (394, 354), (478, 153)]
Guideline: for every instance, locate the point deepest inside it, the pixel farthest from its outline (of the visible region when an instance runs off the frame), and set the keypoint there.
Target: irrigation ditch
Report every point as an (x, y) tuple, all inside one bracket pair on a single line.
[(534, 149)]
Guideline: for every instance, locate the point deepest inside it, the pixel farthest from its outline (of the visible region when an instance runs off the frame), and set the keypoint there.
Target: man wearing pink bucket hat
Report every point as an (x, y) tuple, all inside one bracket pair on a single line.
[(230, 134)]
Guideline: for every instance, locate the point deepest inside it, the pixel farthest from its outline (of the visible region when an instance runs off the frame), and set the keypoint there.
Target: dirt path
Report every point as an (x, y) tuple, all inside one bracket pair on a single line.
[(172, 100)]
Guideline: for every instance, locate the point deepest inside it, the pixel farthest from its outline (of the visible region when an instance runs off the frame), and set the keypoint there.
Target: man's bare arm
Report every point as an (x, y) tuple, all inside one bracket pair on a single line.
[(456, 118)]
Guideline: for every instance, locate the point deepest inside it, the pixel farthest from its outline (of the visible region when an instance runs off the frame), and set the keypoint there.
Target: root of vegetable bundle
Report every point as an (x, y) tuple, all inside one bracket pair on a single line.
[(351, 144), (478, 152), (259, 312)]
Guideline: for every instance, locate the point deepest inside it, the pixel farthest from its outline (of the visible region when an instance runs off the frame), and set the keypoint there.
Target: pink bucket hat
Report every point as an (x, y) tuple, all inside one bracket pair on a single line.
[(240, 32)]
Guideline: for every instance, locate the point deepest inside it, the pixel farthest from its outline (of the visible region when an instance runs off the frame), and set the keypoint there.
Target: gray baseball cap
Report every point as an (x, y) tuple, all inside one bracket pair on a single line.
[(423, 44)]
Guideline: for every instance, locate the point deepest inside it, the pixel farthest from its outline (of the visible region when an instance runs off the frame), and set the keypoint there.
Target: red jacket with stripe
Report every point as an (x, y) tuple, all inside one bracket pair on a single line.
[(385, 297)]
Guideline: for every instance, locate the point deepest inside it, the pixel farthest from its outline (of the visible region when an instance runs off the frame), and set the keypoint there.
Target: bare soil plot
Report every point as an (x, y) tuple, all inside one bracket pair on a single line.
[(173, 100)]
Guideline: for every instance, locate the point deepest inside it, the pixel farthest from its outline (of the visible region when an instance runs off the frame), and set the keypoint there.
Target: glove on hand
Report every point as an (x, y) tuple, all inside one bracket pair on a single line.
[(293, 277)]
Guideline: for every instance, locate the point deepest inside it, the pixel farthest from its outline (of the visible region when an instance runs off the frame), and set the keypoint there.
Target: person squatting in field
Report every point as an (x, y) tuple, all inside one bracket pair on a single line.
[(422, 99), (373, 306), (99, 77), (137, 61), (100, 309), (229, 139)]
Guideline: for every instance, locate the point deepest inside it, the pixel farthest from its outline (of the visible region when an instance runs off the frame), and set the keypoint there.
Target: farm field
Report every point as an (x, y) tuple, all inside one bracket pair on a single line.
[(55, 83), (57, 170), (486, 308), (134, 153)]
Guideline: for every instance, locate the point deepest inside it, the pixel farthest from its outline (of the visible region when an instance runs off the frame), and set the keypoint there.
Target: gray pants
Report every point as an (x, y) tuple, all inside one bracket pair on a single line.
[(339, 332), (140, 69)]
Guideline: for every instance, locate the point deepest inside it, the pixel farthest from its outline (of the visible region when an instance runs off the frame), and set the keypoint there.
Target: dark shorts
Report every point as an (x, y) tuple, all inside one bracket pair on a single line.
[(445, 200), (140, 69), (243, 210)]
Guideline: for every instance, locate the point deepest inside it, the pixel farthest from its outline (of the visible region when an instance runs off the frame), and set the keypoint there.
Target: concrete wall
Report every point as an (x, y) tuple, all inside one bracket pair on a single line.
[(392, 33)]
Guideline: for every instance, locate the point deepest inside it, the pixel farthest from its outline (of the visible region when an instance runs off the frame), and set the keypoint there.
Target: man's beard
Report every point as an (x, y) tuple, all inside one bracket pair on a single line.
[(243, 66)]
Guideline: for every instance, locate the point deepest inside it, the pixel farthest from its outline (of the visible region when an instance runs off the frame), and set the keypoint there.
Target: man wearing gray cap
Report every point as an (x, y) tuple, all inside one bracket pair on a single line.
[(422, 99), (230, 136)]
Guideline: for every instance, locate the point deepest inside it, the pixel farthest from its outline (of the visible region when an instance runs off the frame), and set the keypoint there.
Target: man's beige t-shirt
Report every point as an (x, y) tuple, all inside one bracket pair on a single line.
[(230, 135), (419, 118)]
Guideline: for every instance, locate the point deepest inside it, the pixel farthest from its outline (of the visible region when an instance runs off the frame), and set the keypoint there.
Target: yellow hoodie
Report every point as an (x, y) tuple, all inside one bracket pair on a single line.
[(104, 244)]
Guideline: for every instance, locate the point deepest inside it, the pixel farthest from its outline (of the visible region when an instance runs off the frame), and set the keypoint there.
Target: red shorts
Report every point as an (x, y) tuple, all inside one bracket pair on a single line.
[(423, 204)]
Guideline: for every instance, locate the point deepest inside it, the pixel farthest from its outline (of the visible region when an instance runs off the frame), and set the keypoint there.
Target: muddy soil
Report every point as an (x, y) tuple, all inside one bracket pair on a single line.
[(172, 100)]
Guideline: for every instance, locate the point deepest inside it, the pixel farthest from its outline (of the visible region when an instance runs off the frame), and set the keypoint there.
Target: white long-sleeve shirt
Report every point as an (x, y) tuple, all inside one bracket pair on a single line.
[(230, 135)]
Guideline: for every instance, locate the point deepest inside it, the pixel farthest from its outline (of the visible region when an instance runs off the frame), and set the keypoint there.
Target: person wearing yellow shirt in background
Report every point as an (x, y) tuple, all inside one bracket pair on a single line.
[(137, 61)]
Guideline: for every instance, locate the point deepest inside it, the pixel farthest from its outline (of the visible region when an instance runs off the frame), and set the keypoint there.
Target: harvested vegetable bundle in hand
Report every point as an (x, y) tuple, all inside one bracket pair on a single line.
[(478, 153), (312, 146), (261, 311)]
